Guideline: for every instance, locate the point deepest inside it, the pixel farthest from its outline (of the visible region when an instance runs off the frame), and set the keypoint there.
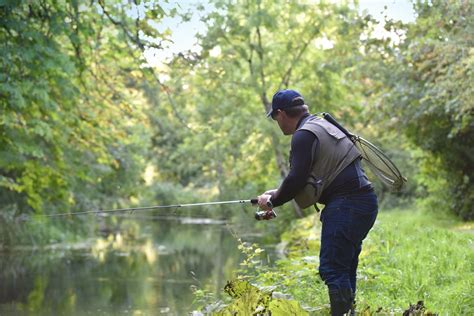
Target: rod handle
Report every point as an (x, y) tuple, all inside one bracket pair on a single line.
[(254, 201)]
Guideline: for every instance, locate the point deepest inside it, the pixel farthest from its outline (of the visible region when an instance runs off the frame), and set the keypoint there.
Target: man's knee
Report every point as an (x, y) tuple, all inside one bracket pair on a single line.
[(325, 273)]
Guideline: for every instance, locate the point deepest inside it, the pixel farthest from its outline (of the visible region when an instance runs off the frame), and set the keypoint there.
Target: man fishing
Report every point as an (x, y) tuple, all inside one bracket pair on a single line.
[(325, 168)]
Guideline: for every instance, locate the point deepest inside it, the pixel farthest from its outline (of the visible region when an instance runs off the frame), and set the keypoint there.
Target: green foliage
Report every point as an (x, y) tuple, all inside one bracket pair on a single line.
[(407, 257), (250, 300), (82, 115), (249, 51), (252, 253), (413, 257), (428, 92), (73, 125)]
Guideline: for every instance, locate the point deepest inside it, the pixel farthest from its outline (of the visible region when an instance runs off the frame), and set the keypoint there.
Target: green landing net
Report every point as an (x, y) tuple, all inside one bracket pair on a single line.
[(378, 162)]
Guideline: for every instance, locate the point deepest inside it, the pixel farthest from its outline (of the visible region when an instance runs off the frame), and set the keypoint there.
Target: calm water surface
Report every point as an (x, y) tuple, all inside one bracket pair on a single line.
[(152, 273)]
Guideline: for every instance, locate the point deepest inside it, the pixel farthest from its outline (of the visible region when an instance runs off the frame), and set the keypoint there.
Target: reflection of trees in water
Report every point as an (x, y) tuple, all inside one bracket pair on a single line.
[(124, 278)]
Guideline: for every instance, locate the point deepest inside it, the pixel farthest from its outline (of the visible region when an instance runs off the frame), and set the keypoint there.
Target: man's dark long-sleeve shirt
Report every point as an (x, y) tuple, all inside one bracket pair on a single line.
[(304, 149)]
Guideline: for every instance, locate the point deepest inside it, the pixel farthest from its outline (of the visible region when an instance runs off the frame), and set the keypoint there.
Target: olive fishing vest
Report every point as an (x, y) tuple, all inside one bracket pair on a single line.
[(334, 153)]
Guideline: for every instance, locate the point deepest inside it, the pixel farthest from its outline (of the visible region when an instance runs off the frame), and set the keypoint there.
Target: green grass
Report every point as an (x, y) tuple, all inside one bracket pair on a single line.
[(407, 257)]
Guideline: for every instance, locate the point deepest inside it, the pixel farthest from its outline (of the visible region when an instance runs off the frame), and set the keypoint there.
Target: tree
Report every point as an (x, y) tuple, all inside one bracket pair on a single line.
[(250, 50), (73, 126), (429, 94)]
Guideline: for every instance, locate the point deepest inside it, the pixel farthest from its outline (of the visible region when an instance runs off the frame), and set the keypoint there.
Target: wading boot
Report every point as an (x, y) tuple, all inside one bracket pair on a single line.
[(341, 301)]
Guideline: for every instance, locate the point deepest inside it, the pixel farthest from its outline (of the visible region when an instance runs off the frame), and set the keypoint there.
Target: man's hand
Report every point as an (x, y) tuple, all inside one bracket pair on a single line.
[(271, 192), (263, 201)]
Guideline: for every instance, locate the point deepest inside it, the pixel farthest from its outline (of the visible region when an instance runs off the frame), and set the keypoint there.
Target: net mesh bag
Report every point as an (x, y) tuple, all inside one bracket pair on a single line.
[(379, 164)]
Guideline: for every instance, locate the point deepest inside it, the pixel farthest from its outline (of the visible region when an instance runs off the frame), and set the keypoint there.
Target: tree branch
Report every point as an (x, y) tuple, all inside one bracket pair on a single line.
[(263, 95), (285, 81), (136, 40)]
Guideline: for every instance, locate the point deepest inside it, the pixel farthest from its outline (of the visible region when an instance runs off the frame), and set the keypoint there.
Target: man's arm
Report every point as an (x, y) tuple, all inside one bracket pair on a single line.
[(303, 148)]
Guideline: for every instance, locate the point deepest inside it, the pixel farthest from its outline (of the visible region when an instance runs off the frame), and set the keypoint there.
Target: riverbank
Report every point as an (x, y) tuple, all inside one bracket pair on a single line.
[(408, 257)]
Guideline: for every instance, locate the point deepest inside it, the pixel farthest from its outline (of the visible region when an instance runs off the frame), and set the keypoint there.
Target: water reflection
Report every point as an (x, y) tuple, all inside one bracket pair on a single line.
[(149, 274)]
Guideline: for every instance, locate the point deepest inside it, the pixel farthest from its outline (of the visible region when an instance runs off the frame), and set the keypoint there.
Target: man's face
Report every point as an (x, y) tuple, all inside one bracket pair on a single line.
[(283, 121)]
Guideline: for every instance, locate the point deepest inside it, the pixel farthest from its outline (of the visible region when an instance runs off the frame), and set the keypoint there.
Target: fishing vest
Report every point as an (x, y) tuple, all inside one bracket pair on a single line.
[(334, 153)]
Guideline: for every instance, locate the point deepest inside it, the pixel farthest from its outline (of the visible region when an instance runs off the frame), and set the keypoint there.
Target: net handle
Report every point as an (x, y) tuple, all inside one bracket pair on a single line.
[(333, 121)]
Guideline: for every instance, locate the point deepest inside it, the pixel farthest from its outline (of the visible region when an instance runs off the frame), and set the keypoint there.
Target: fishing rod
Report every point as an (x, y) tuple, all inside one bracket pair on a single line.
[(259, 215)]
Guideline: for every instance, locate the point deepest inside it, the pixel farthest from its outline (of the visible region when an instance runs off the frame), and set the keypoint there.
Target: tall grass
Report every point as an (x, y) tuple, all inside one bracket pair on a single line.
[(407, 257)]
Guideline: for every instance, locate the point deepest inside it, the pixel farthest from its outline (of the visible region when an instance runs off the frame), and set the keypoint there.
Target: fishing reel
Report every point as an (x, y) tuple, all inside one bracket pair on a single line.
[(264, 215)]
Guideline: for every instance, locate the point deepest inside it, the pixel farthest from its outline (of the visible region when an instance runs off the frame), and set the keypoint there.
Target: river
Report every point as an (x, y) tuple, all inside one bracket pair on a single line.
[(146, 267)]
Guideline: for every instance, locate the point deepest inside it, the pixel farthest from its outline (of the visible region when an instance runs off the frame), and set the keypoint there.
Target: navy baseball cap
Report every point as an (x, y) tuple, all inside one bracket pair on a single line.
[(284, 99)]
